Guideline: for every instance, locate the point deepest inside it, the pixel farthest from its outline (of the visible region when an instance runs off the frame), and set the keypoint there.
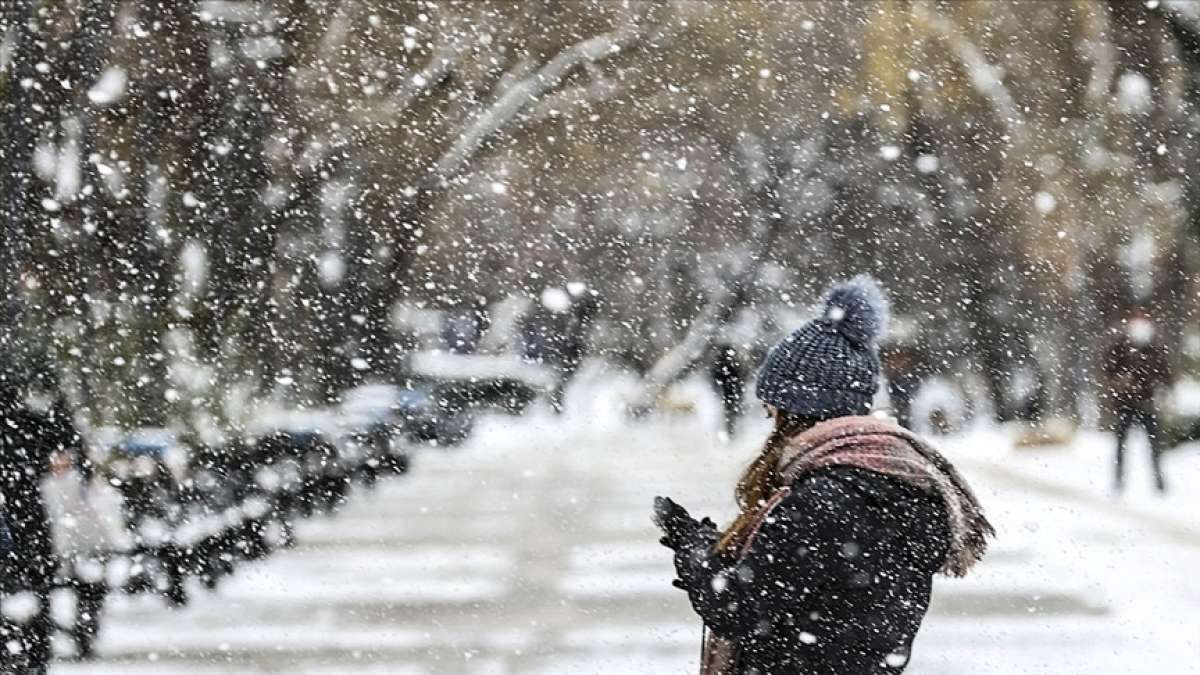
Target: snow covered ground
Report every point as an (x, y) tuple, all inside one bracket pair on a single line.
[(530, 550)]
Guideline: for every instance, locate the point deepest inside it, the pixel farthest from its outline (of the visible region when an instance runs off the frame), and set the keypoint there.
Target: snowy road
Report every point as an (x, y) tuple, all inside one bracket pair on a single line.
[(531, 551)]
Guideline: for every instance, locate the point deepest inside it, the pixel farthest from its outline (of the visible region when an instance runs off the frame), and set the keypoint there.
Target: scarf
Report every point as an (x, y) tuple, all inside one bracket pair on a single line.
[(885, 448)]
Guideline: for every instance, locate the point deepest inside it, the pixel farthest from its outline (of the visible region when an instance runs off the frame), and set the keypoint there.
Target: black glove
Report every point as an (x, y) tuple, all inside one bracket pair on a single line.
[(679, 528), (708, 533), (675, 522), (691, 540)]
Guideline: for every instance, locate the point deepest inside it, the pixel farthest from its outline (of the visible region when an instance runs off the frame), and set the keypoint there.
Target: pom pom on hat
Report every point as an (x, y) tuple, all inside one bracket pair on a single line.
[(858, 309)]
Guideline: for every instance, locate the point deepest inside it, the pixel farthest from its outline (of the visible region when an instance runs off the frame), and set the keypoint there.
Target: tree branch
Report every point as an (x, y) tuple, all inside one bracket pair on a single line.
[(439, 67), (564, 103), (522, 94), (1102, 54), (355, 132), (985, 77), (762, 181), (1186, 12), (1183, 18), (338, 31)]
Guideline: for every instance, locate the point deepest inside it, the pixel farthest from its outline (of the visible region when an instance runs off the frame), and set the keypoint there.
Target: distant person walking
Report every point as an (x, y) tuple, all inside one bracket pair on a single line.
[(463, 328), (1135, 367), (902, 364), (25, 447), (6, 542), (845, 518), (557, 332), (728, 375)]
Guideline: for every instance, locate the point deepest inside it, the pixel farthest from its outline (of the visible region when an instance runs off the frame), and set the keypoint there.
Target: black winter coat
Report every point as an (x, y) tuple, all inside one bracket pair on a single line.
[(837, 579), (1134, 372)]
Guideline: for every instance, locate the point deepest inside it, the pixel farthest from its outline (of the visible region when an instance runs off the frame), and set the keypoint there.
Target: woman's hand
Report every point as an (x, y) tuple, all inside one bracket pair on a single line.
[(679, 527), (691, 540), (673, 520)]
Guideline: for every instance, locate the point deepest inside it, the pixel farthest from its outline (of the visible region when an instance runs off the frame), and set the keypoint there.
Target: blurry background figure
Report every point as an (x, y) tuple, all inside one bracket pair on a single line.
[(556, 333), (544, 325), (6, 542), (1028, 402), (505, 318), (585, 305), (940, 406), (904, 367), (148, 487), (1135, 366), (727, 370), (464, 327), (87, 526), (1028, 393), (27, 439)]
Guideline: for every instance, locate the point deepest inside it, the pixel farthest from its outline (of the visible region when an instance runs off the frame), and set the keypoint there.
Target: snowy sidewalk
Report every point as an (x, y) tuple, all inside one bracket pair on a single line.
[(1079, 581), (531, 551)]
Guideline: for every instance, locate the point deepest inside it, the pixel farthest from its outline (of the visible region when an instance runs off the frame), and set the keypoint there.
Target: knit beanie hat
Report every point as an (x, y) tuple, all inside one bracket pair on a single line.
[(830, 367)]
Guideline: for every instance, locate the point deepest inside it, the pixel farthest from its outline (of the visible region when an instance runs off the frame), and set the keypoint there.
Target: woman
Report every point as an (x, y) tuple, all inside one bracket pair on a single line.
[(844, 520)]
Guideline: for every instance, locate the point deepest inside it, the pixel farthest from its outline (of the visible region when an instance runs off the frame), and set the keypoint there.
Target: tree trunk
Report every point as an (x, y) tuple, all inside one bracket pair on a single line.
[(21, 121)]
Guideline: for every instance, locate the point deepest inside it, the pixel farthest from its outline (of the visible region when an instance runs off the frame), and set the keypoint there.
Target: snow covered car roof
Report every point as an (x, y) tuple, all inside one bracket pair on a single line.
[(478, 367)]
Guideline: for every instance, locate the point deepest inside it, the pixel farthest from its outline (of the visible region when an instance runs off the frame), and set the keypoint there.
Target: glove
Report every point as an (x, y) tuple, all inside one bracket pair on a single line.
[(675, 522), (691, 540), (708, 533), (679, 528)]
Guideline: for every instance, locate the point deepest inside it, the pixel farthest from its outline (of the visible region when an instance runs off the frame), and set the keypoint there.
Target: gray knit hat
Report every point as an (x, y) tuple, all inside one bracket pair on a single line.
[(830, 367)]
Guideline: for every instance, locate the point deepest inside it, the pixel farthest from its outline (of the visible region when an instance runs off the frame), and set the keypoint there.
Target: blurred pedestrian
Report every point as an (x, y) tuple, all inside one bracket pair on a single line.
[(845, 518), (573, 346), (30, 567), (1135, 367), (1028, 392), (6, 542), (88, 526), (728, 375), (464, 327), (557, 332), (902, 364)]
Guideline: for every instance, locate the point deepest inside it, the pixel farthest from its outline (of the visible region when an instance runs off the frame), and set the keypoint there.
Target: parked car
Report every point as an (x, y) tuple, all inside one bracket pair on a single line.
[(421, 412), (146, 467), (371, 445), (472, 381)]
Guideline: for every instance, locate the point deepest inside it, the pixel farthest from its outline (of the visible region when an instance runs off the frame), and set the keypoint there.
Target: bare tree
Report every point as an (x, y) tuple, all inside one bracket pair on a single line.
[(22, 117)]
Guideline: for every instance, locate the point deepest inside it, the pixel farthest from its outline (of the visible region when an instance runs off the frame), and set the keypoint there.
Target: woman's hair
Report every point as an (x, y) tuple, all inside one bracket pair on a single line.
[(760, 480)]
